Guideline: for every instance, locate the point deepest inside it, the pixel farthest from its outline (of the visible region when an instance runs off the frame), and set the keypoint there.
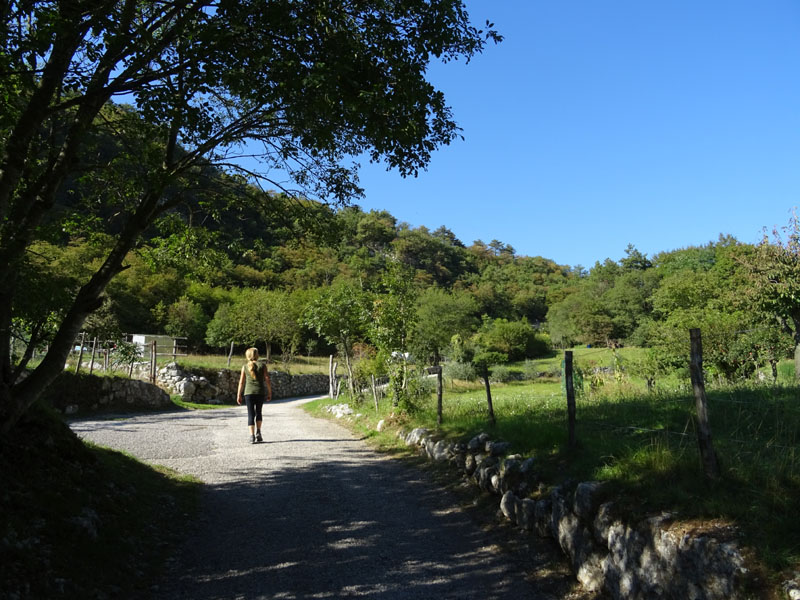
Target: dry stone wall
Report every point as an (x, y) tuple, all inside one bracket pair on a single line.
[(78, 394), (220, 386), (652, 558)]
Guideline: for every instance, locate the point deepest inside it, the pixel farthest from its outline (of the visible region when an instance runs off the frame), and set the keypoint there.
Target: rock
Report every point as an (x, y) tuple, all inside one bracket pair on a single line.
[(478, 442), (543, 517), (526, 513), (508, 505), (416, 436), (484, 476), (601, 525), (470, 464), (380, 425), (185, 388), (511, 475), (587, 498), (441, 451), (497, 448)]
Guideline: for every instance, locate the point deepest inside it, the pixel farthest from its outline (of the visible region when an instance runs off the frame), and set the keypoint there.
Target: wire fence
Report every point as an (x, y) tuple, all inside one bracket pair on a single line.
[(734, 426)]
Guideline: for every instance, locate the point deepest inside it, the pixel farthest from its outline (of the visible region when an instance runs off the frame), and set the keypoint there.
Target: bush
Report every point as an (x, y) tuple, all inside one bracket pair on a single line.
[(516, 339), (529, 370), (503, 374), (458, 370)]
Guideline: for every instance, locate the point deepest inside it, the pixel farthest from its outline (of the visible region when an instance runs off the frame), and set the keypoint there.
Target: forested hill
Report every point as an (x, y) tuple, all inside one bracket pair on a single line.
[(198, 259), (228, 248)]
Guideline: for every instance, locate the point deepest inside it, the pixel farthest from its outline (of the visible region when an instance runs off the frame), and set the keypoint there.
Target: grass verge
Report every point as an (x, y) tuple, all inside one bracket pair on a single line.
[(81, 521), (176, 400)]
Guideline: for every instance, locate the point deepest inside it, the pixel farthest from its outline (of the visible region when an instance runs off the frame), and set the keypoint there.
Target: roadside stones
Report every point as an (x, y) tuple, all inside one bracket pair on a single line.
[(339, 410), (640, 561), (792, 587), (497, 448), (478, 442)]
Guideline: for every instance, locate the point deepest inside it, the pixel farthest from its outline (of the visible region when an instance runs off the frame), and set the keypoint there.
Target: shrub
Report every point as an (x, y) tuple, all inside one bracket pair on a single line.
[(503, 374), (530, 370), (459, 370)]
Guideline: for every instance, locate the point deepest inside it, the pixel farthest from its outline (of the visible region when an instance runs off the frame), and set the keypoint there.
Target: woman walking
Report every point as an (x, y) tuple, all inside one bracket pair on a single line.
[(255, 386)]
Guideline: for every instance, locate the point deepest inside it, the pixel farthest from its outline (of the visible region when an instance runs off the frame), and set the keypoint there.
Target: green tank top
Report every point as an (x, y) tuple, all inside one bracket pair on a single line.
[(256, 386)]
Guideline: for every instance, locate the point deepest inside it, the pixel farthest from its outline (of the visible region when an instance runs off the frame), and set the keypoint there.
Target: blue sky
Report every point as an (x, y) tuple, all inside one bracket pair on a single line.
[(598, 124)]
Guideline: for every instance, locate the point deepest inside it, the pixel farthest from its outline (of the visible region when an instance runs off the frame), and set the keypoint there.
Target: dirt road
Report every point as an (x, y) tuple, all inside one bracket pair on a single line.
[(312, 512)]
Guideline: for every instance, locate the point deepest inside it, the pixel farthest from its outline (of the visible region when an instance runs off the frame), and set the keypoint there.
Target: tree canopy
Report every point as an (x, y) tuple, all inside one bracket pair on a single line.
[(302, 84)]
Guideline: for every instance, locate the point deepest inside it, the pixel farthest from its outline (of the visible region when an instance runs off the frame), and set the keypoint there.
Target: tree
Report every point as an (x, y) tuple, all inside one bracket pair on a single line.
[(340, 315), (185, 318), (304, 83), (440, 316), (222, 329), (393, 321), (516, 340), (775, 273), (481, 359), (265, 316)]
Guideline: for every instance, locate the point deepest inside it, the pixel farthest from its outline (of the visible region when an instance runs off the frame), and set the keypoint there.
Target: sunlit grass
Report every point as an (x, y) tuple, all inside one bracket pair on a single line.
[(298, 365), (644, 445)]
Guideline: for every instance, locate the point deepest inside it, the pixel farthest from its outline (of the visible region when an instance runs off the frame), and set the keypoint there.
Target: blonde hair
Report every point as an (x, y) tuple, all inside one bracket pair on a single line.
[(252, 361)]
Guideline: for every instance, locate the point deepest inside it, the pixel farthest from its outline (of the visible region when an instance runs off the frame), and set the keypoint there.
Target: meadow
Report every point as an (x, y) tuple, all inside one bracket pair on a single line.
[(641, 442)]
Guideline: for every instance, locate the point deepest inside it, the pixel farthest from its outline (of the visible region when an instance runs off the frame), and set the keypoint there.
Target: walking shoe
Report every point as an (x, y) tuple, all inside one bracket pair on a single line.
[(252, 439), (258, 437)]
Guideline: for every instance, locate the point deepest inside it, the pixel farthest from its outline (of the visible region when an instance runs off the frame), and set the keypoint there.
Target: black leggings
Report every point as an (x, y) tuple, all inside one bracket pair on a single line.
[(255, 402)]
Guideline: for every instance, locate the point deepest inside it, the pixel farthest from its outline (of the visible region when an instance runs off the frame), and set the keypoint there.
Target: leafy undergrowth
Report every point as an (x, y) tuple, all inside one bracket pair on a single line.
[(644, 446), (81, 521)]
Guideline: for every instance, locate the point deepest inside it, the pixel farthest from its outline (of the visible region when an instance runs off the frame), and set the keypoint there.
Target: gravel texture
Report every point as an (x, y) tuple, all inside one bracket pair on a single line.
[(312, 512)]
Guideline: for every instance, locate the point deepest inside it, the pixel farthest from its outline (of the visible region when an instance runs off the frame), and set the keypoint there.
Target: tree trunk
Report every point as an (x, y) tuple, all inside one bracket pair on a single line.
[(230, 355), (707, 453), (485, 376), (350, 382), (797, 356), (374, 392)]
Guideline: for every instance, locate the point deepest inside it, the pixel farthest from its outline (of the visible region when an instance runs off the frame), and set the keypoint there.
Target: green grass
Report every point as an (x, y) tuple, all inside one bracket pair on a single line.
[(298, 365), (644, 445), (81, 521), (176, 400)]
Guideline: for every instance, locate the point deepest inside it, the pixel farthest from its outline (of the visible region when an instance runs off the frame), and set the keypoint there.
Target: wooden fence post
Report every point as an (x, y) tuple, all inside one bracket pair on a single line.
[(91, 361), (174, 348), (374, 392), (153, 358), (438, 371), (707, 454), (80, 352), (331, 379), (568, 385), (230, 355)]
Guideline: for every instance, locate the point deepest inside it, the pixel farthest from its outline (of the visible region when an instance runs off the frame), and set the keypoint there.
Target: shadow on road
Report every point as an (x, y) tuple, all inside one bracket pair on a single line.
[(344, 527)]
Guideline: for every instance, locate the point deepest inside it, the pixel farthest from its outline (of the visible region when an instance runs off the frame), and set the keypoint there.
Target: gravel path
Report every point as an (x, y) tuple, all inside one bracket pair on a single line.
[(312, 512)]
